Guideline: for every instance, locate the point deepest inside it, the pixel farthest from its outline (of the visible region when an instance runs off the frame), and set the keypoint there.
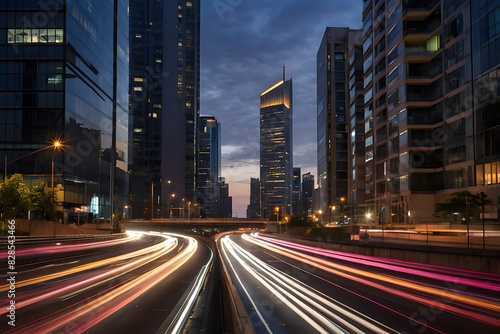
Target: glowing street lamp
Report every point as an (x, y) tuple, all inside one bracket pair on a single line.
[(55, 145)]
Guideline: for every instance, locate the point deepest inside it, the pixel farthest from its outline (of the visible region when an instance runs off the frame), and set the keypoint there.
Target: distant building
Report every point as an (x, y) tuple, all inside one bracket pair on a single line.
[(64, 76), (253, 209), (226, 201), (307, 194), (333, 93), (276, 148), (208, 167), (164, 103), (297, 192)]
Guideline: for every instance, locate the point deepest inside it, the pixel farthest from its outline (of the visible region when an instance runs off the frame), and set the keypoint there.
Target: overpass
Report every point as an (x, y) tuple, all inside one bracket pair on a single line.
[(199, 225)]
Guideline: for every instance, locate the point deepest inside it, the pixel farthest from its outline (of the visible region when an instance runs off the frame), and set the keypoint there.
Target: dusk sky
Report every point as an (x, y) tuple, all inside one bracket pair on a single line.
[(244, 45)]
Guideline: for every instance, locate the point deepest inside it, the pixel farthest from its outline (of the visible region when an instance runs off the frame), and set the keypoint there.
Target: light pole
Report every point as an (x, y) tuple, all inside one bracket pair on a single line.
[(55, 145)]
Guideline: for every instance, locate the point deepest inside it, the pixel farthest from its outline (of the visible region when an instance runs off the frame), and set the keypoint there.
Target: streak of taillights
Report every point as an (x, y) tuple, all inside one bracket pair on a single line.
[(315, 308), (72, 247), (357, 275), (84, 314), (386, 264)]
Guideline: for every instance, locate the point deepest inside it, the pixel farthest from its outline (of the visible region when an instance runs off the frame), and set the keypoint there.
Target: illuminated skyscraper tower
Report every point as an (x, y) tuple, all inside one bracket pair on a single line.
[(276, 171)]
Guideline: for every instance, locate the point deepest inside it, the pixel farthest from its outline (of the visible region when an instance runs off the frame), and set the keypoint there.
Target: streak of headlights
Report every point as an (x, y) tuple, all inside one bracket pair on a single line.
[(318, 310)]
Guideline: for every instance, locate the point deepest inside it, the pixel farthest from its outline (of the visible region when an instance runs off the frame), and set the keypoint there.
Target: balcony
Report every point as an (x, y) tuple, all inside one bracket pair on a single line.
[(427, 96), (418, 9), (423, 74), (420, 31)]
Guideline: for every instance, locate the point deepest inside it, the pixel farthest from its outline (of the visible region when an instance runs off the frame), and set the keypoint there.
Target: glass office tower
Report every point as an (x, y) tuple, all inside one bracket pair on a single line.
[(164, 102), (64, 76), (276, 171)]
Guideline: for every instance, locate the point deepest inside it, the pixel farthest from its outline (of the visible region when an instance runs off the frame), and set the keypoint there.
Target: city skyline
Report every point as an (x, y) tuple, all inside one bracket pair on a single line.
[(257, 38)]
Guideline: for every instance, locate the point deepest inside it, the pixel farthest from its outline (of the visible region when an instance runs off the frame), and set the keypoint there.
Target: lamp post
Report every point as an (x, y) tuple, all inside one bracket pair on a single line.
[(55, 145)]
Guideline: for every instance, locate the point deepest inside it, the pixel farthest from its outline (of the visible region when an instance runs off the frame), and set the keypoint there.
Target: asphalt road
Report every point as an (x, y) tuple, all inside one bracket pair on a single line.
[(136, 286), (287, 287)]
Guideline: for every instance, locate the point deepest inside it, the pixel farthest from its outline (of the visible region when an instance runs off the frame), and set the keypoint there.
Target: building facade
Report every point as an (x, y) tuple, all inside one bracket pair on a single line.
[(164, 101), (307, 194), (430, 87), (208, 167), (64, 76), (276, 149), (333, 111), (357, 171)]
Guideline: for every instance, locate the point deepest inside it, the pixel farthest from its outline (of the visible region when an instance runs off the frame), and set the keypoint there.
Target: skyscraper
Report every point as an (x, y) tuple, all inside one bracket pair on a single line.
[(333, 115), (253, 209), (276, 148), (64, 76), (164, 85), (208, 167), (297, 192), (307, 194)]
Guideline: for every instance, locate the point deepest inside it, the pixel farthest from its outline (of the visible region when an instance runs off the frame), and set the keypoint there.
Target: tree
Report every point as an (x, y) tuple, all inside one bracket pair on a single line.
[(462, 202), (14, 197), (43, 201)]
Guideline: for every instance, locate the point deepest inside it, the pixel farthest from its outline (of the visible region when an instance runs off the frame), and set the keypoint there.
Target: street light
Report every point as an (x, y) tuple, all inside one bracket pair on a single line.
[(55, 145)]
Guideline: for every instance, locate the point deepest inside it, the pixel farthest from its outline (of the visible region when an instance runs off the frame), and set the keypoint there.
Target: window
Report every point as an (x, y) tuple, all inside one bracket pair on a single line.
[(36, 36), (367, 64)]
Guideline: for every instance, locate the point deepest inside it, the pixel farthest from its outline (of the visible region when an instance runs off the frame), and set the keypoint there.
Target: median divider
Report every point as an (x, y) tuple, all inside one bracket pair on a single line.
[(235, 317)]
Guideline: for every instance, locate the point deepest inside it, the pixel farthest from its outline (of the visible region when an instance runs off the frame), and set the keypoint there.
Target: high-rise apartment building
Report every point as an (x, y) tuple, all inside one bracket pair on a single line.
[(430, 87), (253, 209), (64, 76), (276, 148), (333, 117), (164, 86), (208, 167)]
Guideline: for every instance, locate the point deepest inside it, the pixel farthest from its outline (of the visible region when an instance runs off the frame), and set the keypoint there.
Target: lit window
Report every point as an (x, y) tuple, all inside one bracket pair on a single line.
[(137, 79), (137, 130), (56, 79), (137, 89), (158, 60), (189, 4), (28, 36), (155, 115), (138, 35)]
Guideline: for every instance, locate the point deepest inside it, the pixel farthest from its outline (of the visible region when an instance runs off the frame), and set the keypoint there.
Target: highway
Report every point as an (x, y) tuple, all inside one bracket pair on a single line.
[(287, 287), (144, 283)]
